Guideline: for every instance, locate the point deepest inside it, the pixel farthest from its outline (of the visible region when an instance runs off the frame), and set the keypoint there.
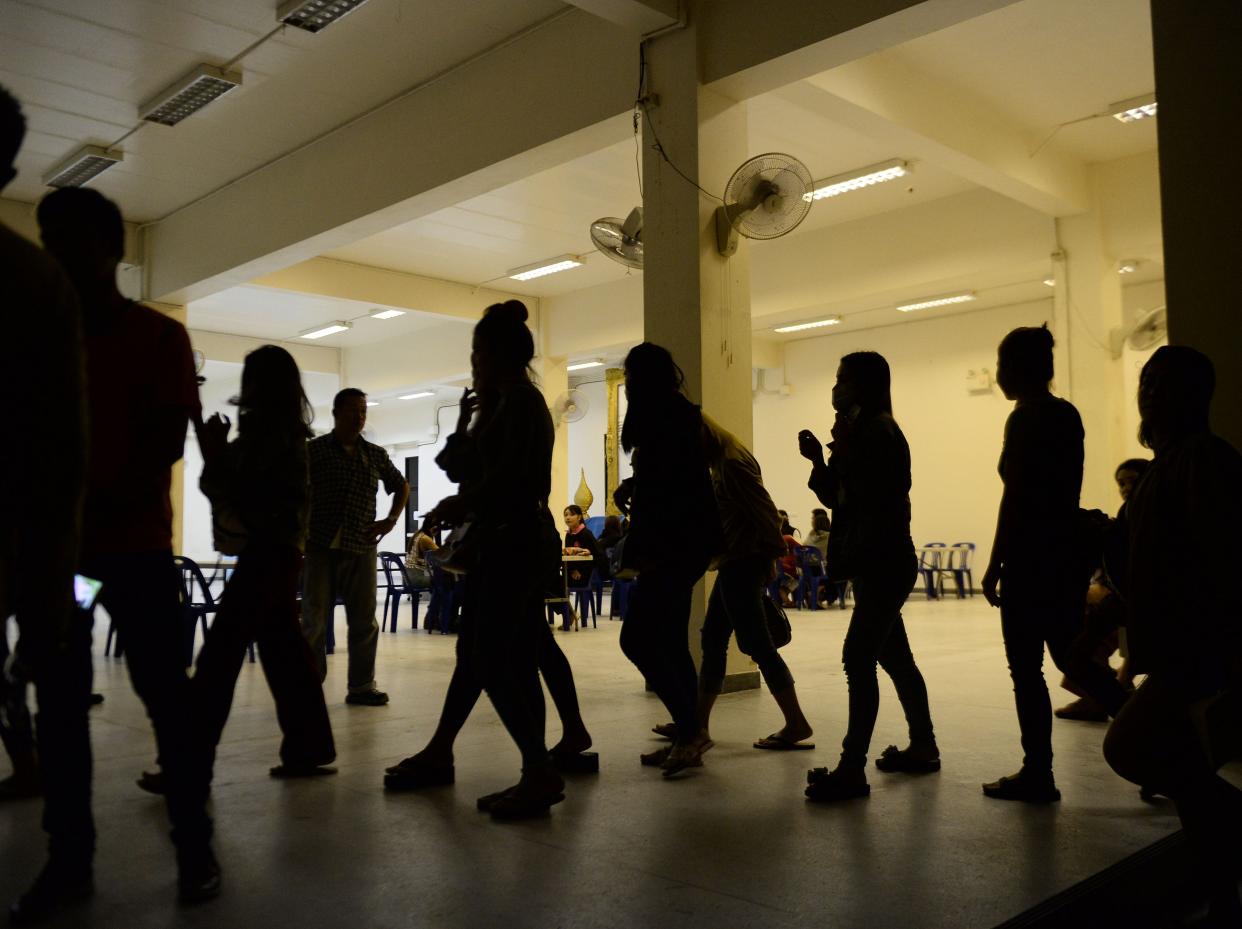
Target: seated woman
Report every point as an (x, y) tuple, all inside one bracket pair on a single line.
[(579, 540), (789, 569), (608, 539), (818, 536), (416, 558)]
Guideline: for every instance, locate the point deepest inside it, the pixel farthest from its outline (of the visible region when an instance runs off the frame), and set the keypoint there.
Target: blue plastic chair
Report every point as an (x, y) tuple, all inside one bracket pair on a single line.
[(619, 602), (961, 561), (398, 586), (811, 563), (584, 599), (446, 592), (595, 524), (930, 567)]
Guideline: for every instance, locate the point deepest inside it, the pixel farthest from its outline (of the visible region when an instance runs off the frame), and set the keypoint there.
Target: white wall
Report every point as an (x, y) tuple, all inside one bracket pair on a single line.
[(955, 436), (586, 446)]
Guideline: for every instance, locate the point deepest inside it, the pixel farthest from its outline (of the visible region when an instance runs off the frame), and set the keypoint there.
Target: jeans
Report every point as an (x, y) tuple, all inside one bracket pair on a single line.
[(260, 605), (1032, 615), (736, 606), (878, 634), (655, 638), (331, 572), (142, 593)]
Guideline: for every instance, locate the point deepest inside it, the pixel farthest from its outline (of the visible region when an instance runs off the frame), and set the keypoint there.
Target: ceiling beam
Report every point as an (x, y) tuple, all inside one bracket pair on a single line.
[(345, 280), (923, 119), (639, 16)]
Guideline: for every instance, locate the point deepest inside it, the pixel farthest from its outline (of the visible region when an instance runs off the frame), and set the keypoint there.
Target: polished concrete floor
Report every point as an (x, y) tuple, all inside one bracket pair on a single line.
[(730, 845)]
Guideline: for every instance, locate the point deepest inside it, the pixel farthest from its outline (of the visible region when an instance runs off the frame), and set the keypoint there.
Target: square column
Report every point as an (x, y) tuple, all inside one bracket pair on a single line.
[(696, 303)]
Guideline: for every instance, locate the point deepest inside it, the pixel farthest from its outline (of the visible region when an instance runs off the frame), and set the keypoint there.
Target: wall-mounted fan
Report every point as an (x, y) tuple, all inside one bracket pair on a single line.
[(1152, 329), (199, 361), (569, 407), (621, 241), (767, 197)]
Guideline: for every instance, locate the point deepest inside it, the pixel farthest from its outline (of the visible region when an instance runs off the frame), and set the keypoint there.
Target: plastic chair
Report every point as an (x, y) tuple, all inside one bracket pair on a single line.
[(398, 585), (595, 524), (929, 568), (961, 561), (584, 599), (619, 602), (811, 563), (445, 596), (198, 602)]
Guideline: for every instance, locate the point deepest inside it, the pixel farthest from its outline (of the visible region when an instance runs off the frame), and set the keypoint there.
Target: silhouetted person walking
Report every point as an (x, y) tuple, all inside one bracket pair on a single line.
[(503, 463), (345, 473), (670, 489), (259, 493), (866, 484), (1036, 557), (42, 481), (143, 396), (1185, 720)]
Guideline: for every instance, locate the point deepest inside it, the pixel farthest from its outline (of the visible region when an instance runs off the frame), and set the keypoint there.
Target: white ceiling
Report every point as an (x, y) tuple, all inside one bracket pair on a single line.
[(81, 68), (264, 313)]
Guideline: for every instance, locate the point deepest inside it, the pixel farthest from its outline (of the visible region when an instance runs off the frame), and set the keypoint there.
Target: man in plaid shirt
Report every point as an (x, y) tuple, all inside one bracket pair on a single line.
[(345, 473)]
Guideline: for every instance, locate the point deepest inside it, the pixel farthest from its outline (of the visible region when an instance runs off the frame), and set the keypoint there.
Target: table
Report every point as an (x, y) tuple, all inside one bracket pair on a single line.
[(565, 559)]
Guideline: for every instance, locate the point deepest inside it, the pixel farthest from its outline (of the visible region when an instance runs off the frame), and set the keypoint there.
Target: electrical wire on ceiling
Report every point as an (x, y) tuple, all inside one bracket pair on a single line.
[(1072, 122)]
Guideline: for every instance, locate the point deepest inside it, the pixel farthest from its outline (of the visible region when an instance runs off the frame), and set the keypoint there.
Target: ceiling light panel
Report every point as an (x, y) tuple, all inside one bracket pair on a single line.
[(857, 180), (387, 314), (937, 301), (798, 327), (583, 365), (189, 95), (543, 268), (83, 165), (1134, 109), (327, 329), (315, 15), (417, 396)]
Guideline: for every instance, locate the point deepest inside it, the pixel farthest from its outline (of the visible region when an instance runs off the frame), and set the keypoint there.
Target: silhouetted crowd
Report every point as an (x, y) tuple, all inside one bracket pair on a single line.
[(103, 390)]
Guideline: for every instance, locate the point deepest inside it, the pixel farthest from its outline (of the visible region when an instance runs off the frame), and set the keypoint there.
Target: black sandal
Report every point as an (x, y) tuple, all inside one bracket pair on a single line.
[(824, 786), (416, 775), (894, 759)]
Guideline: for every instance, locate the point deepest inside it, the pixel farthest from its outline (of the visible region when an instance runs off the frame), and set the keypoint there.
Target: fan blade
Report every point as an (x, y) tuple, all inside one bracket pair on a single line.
[(632, 228)]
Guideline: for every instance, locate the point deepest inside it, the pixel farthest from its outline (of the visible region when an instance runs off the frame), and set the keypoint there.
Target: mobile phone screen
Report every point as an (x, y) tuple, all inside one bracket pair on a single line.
[(86, 590)]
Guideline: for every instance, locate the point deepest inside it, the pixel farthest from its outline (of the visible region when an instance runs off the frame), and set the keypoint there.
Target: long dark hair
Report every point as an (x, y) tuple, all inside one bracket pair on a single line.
[(872, 380), (504, 340), (272, 402), (652, 378)]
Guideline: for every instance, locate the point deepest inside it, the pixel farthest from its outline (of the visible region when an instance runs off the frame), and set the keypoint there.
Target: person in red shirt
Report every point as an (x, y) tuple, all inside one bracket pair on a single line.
[(143, 396)]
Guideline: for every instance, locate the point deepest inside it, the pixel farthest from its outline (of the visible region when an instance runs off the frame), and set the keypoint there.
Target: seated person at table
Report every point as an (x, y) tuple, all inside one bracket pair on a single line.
[(786, 528), (416, 558), (579, 540), (608, 540), (818, 536), (789, 568)]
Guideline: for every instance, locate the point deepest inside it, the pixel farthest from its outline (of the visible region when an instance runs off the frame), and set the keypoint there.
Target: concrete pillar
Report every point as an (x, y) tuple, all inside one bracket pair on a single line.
[(1089, 289), (615, 380), (695, 302), (1199, 84)]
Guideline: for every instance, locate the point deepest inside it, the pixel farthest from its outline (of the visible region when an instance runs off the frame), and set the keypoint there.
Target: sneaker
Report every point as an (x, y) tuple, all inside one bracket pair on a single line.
[(1024, 787), (56, 886), (198, 875), (1082, 710), (367, 698), (152, 782)]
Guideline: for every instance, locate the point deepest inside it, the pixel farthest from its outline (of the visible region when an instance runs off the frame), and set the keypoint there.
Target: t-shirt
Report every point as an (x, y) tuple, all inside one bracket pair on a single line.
[(749, 521), (1041, 466), (142, 395), (43, 468)]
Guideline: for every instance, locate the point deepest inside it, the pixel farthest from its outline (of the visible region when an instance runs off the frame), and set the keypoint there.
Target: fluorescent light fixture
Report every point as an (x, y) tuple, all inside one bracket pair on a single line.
[(417, 396), (189, 95), (857, 180), (1134, 109), (315, 15), (86, 163), (830, 321), (332, 328), (387, 314), (583, 365), (1127, 266), (1050, 282), (372, 403), (937, 301), (550, 266)]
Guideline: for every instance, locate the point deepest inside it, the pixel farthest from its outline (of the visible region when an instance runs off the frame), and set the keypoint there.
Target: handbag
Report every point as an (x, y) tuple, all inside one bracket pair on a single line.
[(777, 622), (457, 551)]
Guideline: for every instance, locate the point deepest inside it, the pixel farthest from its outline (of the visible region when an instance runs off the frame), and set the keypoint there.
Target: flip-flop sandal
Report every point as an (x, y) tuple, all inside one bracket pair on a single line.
[(417, 776), (896, 760), (655, 759), (675, 762), (666, 730), (575, 762), (512, 806), (778, 743), (487, 801)]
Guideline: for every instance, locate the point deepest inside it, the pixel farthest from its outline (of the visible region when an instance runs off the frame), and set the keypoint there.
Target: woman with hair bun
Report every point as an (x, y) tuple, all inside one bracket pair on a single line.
[(1034, 563), (502, 459)]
